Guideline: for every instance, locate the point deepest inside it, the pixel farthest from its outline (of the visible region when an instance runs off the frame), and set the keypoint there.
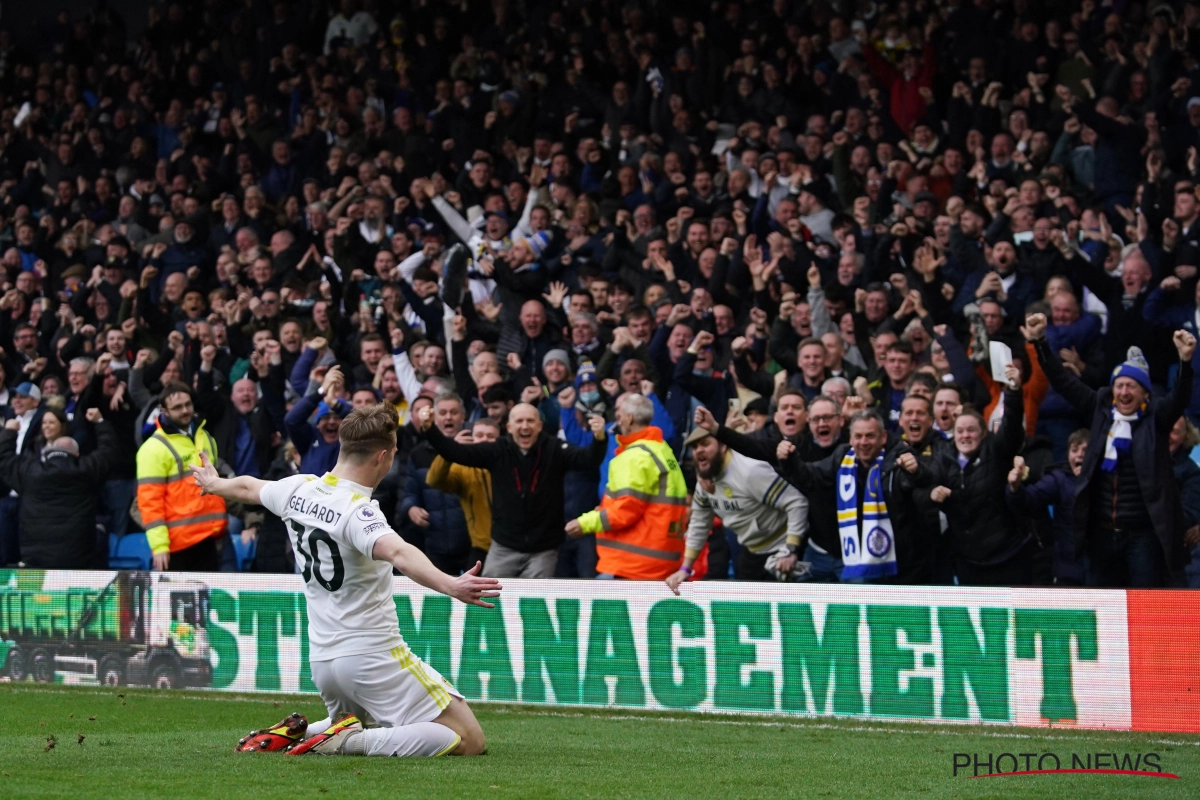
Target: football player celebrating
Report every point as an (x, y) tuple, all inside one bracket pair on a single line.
[(382, 699)]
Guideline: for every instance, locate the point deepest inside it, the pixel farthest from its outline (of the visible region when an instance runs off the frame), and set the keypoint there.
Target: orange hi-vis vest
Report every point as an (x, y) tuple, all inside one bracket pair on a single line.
[(174, 512), (639, 526)]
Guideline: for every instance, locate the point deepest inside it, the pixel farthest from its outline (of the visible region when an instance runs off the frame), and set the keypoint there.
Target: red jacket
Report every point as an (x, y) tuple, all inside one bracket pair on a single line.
[(907, 104)]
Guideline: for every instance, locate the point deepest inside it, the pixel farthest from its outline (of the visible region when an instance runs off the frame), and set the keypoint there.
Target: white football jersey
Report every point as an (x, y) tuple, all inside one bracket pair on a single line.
[(334, 525)]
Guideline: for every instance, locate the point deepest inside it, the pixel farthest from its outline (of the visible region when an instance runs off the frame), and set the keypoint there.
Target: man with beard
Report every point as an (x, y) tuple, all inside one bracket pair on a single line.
[(947, 403), (361, 241), (870, 484), (182, 254), (769, 517), (818, 441)]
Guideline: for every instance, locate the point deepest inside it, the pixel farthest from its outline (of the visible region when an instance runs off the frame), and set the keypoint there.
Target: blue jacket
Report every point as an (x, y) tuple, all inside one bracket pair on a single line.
[(316, 456), (166, 140), (1054, 496), (300, 371), (447, 532), (1023, 292), (1118, 160), (1187, 475), (581, 486), (1161, 313), (677, 401), (281, 181), (179, 258), (551, 411), (1083, 334)]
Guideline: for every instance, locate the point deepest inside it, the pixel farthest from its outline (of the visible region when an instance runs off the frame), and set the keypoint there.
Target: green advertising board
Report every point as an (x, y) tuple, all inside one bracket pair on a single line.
[(1026, 657)]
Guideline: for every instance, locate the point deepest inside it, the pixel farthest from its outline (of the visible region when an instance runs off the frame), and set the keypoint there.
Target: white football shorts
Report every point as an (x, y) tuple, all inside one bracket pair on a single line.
[(388, 689)]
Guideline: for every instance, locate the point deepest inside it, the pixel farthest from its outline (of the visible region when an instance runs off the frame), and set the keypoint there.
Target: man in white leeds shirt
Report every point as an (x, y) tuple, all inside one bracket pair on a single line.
[(382, 699), (769, 516)]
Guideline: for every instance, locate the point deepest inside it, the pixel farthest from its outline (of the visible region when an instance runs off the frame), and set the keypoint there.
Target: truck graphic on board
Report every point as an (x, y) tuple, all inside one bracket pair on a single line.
[(141, 629)]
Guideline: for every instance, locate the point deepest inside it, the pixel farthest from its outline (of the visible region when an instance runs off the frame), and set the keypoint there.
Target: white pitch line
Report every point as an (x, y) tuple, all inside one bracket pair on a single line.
[(803, 725)]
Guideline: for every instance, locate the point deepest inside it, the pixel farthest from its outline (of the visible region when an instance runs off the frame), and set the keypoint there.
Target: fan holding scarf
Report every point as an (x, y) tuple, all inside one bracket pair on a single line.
[(866, 478), (1128, 520)]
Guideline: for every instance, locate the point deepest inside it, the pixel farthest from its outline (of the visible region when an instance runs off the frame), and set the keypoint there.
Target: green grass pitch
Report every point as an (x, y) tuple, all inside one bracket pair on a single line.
[(140, 744)]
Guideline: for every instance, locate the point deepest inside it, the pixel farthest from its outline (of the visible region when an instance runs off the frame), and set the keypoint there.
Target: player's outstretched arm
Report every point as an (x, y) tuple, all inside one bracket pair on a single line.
[(469, 587), (242, 489)]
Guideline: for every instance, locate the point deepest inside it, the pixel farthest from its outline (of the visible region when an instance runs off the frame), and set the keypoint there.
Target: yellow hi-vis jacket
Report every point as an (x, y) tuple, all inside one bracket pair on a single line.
[(639, 525), (174, 513)]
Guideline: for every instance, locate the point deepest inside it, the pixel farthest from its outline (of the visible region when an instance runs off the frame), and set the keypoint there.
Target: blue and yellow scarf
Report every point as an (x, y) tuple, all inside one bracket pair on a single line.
[(873, 553)]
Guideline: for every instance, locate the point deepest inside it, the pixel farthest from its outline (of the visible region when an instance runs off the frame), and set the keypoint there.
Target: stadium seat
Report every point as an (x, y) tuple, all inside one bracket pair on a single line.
[(130, 551), (243, 553)]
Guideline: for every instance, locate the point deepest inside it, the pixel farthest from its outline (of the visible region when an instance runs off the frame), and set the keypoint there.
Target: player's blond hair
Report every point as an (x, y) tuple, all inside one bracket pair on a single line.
[(368, 430)]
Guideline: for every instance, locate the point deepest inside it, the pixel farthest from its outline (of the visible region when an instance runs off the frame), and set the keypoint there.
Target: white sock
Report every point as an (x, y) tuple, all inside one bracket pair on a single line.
[(353, 745), (419, 739), (318, 727)]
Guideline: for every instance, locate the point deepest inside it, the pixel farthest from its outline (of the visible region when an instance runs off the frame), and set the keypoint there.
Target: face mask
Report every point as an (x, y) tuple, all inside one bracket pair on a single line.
[(589, 398), (1022, 238)]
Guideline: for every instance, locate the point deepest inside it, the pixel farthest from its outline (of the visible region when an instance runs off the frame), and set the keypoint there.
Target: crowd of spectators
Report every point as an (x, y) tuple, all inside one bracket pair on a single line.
[(814, 220)]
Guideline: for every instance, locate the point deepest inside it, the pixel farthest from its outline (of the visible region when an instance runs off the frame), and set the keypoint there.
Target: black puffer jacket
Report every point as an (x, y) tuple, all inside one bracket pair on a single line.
[(983, 530), (1149, 448), (926, 531), (58, 500)]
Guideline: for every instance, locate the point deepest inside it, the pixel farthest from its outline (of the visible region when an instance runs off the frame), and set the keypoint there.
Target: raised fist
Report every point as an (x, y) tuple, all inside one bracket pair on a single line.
[(1185, 344), (705, 419), (1017, 474), (1034, 327)]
